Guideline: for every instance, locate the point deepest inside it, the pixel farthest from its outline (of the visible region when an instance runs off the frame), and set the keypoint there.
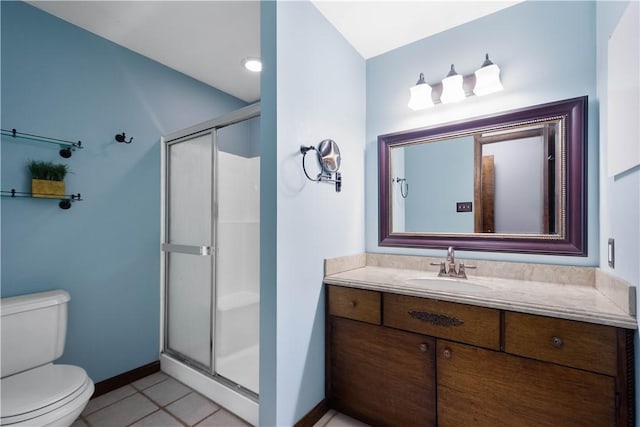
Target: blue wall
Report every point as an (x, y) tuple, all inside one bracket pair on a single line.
[(268, 215), (61, 81), (320, 94), (619, 195), (546, 51)]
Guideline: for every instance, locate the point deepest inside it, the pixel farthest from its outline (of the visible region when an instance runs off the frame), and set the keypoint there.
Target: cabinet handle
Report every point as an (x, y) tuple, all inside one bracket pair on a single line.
[(435, 319), (557, 342), (447, 353), (423, 347), (352, 304)]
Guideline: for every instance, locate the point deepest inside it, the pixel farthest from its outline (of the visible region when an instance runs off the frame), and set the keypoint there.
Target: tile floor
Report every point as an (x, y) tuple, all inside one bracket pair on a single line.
[(161, 401), (336, 419), (155, 401)]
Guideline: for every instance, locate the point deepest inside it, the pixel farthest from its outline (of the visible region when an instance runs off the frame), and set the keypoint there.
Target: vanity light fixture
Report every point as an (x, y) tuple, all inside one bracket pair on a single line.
[(452, 90), (252, 64), (487, 78), (420, 95)]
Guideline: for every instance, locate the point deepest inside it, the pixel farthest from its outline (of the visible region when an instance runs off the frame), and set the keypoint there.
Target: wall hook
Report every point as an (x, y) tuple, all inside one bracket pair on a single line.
[(120, 137)]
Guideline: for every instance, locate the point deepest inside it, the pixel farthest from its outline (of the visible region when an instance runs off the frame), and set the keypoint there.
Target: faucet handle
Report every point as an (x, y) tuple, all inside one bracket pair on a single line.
[(461, 270), (468, 266), (443, 269)]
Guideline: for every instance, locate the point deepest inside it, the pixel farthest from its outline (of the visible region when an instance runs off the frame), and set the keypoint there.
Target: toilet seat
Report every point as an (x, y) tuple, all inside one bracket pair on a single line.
[(39, 391)]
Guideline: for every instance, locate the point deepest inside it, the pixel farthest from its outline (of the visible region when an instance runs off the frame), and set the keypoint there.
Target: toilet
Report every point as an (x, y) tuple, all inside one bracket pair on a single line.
[(35, 391)]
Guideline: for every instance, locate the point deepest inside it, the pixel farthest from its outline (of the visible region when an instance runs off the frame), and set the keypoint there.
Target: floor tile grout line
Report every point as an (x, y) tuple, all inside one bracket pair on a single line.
[(149, 386), (112, 403), (194, 392), (210, 415), (156, 411), (159, 407), (167, 404), (135, 388), (131, 395)]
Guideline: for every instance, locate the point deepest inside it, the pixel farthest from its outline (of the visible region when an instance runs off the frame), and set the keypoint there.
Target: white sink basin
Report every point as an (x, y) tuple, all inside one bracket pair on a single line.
[(446, 284)]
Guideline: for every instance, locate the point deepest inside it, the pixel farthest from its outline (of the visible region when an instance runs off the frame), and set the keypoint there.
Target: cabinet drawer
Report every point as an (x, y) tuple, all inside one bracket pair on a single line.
[(356, 304), (566, 342), (456, 322)]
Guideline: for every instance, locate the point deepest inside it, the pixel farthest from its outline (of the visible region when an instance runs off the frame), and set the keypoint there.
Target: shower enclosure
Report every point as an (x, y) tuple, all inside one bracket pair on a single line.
[(210, 259)]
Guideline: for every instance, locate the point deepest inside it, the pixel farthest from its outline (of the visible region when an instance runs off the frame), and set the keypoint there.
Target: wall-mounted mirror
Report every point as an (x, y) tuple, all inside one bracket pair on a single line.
[(511, 182)]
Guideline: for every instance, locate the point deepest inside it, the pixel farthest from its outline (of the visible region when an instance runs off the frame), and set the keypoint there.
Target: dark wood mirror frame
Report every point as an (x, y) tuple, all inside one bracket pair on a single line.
[(574, 240)]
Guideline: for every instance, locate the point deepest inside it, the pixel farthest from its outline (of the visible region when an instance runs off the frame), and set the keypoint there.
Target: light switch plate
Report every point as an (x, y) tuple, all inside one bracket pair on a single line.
[(464, 206), (611, 253)]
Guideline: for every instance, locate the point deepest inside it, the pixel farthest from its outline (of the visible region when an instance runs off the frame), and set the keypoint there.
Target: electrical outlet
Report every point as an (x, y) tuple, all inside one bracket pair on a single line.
[(464, 206)]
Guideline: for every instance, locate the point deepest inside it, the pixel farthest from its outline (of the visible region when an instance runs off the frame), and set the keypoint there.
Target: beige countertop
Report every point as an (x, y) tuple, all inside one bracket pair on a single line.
[(580, 302)]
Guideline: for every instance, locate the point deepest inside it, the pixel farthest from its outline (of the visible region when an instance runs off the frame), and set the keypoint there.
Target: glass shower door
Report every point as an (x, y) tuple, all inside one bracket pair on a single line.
[(211, 247), (189, 249), (237, 321)]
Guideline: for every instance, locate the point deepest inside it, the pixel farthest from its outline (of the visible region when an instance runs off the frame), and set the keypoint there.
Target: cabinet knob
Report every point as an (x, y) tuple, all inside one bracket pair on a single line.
[(423, 347), (447, 353), (557, 342), (352, 304)]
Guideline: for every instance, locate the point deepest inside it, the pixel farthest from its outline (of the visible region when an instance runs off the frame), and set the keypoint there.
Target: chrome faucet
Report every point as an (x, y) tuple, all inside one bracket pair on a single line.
[(451, 262), (451, 256), (448, 268)]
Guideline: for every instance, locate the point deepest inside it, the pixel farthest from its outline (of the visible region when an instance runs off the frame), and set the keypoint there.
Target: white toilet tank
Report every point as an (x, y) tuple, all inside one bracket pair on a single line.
[(33, 330)]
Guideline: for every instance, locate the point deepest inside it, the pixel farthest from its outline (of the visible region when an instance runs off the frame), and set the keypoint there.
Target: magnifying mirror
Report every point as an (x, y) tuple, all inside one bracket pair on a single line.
[(329, 155), (329, 160)]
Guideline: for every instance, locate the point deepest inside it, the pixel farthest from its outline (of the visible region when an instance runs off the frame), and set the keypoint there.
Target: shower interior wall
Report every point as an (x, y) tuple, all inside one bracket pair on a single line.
[(238, 257)]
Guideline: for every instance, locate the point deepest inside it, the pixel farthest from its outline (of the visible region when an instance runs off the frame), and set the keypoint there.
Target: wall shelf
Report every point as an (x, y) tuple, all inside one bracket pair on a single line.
[(66, 147), (65, 200)]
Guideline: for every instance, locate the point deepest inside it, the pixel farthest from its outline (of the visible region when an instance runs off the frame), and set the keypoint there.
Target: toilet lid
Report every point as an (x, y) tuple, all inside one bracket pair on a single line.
[(45, 388)]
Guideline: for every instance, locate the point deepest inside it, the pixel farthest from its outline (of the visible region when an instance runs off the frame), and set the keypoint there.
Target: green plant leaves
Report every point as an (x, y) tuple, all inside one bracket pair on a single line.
[(47, 170)]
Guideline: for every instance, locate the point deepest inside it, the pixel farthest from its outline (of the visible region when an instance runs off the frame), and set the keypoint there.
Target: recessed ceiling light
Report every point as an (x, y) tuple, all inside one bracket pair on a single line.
[(252, 64)]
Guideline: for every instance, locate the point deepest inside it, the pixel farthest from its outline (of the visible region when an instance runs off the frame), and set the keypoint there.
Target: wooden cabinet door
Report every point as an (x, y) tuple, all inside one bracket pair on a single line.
[(382, 376), (478, 387)]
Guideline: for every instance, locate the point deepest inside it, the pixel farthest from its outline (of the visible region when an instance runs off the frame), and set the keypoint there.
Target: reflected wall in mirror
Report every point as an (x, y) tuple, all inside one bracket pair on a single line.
[(511, 182)]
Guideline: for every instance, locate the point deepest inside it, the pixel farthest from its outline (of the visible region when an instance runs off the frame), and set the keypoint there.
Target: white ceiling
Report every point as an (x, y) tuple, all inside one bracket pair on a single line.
[(207, 40), (376, 27)]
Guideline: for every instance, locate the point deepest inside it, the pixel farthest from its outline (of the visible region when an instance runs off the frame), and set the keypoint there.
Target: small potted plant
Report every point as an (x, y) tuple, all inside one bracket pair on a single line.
[(47, 179)]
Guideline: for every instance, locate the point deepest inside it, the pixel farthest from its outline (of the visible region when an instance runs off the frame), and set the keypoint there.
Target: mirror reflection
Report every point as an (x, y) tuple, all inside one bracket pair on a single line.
[(502, 181)]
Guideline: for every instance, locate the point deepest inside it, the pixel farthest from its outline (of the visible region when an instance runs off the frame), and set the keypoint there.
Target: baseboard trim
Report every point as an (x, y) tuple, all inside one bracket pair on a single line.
[(125, 378), (314, 415)]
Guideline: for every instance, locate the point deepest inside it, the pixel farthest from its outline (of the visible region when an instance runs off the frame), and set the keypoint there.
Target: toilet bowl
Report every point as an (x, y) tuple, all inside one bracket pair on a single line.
[(36, 392)]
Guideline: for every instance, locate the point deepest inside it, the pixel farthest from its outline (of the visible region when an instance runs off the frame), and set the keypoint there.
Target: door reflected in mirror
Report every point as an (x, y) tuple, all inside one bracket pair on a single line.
[(492, 183)]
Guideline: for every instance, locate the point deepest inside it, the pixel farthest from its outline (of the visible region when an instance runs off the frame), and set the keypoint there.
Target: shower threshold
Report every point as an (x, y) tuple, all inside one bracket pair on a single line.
[(235, 400)]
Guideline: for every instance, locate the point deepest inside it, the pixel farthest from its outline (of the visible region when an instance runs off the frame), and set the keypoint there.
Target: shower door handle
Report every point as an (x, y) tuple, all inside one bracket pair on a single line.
[(187, 249)]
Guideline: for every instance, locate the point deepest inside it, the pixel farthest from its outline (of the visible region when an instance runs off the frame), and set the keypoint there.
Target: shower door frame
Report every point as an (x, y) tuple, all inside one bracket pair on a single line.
[(210, 126)]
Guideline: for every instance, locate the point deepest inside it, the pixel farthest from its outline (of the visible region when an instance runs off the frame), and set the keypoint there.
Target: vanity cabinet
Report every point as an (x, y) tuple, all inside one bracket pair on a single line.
[(378, 374), (382, 375), (397, 360), (479, 387)]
